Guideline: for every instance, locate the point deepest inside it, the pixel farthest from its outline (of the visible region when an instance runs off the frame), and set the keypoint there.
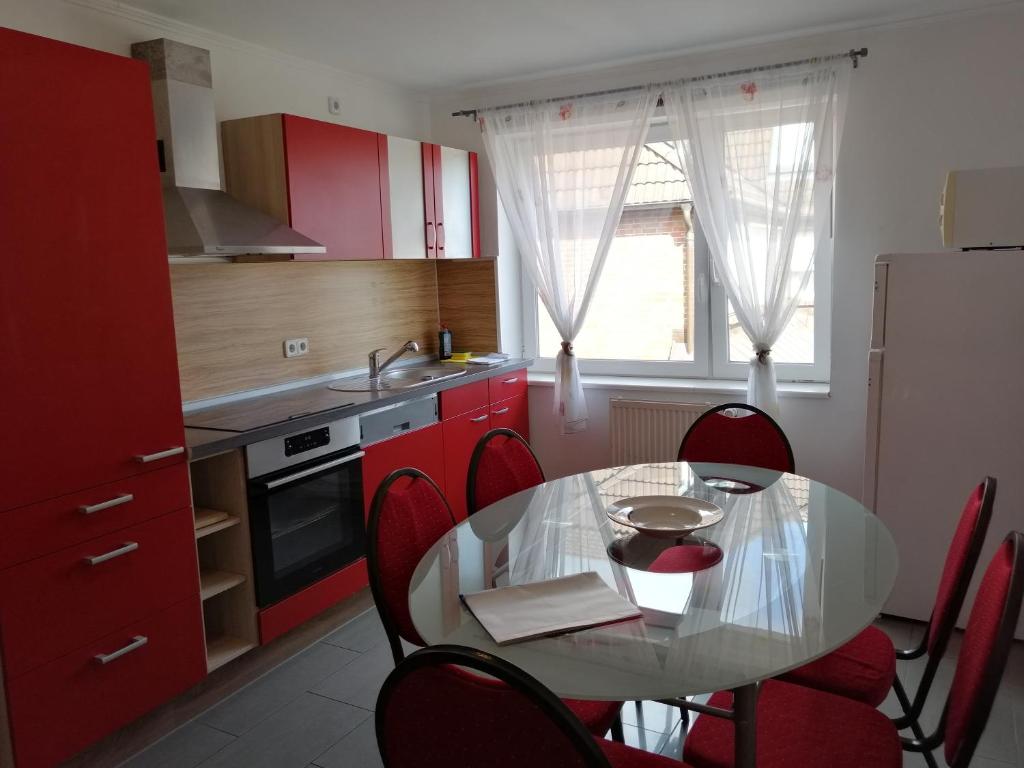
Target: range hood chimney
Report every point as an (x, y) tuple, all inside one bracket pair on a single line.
[(201, 220)]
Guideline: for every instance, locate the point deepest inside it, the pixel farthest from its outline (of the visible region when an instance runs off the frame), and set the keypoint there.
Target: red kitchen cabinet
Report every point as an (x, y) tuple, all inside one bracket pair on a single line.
[(328, 181), (335, 190), (461, 434), (86, 328), (54, 604), (459, 400), (513, 414), (507, 385), (93, 451), (422, 449), (62, 707)]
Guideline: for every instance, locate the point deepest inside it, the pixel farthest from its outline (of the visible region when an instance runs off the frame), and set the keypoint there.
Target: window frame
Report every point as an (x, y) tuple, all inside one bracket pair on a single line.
[(711, 319)]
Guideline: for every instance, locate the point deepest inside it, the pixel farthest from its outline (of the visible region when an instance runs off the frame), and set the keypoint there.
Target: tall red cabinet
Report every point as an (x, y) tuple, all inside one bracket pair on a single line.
[(94, 498)]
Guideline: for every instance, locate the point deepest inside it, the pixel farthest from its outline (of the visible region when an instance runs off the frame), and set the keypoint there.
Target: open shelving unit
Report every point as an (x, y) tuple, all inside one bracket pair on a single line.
[(225, 559)]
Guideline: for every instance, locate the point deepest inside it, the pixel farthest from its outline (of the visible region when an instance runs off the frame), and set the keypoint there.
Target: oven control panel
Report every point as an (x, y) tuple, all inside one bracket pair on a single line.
[(275, 454), (307, 441)]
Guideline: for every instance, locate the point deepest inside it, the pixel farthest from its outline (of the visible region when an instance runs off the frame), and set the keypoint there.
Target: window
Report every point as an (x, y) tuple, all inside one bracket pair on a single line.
[(658, 310)]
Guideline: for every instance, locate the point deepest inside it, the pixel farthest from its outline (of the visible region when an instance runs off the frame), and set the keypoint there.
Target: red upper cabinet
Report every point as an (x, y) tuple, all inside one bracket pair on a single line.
[(334, 187), (434, 201), (328, 181), (86, 326)]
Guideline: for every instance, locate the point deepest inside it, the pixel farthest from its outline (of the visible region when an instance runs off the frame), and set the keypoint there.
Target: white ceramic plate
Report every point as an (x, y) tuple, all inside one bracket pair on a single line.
[(668, 516)]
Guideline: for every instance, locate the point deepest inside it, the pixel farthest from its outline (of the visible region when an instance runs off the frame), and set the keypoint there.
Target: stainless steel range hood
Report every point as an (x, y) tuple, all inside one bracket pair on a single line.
[(201, 220)]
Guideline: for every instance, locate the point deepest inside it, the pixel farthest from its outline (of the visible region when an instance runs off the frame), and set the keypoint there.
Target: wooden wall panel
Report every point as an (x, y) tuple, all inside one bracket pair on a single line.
[(231, 319), (467, 301)]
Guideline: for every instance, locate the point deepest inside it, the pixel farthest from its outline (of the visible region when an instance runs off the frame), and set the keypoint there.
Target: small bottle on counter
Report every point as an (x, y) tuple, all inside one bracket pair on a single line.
[(444, 346)]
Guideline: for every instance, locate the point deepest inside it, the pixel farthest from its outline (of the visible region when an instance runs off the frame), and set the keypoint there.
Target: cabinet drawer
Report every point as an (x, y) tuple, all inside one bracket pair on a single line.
[(468, 397), (513, 414), (63, 707), (507, 385), (37, 530), (56, 603)]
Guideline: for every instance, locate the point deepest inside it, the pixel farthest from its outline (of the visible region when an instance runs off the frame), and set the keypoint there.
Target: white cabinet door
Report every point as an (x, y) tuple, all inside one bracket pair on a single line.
[(457, 205), (405, 173)]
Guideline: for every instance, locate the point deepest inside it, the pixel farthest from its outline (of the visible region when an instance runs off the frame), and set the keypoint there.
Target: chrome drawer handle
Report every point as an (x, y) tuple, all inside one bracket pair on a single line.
[(129, 546), (501, 411), (478, 419), (513, 380), (137, 642), (124, 498), (145, 458)]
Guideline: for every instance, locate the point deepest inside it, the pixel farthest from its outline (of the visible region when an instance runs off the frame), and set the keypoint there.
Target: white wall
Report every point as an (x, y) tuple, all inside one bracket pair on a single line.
[(931, 96), (247, 79)]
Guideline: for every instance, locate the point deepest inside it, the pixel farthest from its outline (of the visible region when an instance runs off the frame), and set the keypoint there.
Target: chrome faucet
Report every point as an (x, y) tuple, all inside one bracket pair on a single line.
[(377, 367)]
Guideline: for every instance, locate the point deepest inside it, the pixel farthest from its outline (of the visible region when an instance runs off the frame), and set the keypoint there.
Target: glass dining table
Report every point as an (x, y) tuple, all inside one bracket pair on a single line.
[(793, 570)]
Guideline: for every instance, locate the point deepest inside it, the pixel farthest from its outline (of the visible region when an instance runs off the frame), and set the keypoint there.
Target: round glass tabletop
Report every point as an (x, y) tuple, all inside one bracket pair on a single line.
[(793, 570)]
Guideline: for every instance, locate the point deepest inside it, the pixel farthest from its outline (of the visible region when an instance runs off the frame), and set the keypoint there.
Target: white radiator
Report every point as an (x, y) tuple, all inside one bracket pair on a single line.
[(645, 431)]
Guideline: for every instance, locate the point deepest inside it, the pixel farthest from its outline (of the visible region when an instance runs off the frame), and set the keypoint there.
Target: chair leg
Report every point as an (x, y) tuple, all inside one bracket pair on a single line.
[(617, 732), (908, 719)]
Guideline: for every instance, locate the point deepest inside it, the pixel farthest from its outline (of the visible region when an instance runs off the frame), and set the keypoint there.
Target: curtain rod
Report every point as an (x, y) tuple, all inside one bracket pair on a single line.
[(854, 54)]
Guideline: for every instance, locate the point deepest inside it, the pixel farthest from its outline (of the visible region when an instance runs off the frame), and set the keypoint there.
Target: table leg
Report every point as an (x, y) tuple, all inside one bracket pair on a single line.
[(744, 707)]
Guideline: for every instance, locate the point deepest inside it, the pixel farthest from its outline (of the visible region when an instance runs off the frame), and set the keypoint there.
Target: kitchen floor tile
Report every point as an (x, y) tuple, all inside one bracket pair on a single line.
[(359, 683), (293, 736), (245, 709), (362, 634), (186, 747), (357, 750)]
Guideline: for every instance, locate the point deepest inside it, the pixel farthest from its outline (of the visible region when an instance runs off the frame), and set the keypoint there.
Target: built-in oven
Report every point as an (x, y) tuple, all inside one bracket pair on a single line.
[(305, 507)]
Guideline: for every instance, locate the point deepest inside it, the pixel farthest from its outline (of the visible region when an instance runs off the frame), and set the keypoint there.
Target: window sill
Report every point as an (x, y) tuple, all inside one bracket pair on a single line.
[(815, 390)]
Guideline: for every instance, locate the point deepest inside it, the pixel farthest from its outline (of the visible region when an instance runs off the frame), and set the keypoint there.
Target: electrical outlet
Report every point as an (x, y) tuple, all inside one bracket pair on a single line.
[(296, 347)]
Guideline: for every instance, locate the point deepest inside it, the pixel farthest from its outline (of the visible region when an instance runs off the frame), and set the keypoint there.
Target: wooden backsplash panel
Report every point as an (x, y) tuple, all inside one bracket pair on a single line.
[(467, 301), (231, 319)]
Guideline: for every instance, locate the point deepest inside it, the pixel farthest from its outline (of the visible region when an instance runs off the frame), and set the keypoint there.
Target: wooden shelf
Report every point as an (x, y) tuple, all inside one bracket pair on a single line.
[(225, 522), (206, 516), (221, 650), (214, 582)]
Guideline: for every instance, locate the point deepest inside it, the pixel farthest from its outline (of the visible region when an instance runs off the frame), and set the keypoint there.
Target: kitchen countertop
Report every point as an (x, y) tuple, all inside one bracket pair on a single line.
[(316, 405)]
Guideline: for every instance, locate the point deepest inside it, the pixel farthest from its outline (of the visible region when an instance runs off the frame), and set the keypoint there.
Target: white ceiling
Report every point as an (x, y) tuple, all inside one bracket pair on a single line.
[(435, 44)]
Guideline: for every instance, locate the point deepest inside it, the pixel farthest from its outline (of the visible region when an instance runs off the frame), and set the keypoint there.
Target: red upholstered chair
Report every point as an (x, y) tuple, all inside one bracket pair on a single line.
[(865, 668), (408, 515), (437, 710), (753, 439), (502, 464), (799, 726)]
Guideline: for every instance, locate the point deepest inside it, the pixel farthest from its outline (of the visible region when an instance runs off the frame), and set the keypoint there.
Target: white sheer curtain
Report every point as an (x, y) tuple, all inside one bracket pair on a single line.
[(758, 149), (562, 171)]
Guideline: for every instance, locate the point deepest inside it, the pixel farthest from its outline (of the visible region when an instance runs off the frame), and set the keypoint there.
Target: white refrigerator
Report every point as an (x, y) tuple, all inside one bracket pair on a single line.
[(945, 407)]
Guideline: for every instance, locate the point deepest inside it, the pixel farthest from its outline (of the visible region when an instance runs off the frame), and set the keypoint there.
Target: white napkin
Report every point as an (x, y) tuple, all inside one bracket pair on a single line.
[(523, 612)]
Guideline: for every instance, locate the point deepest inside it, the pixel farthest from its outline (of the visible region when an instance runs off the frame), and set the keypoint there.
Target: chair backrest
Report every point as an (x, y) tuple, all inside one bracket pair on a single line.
[(961, 560), (752, 438), (408, 515), (435, 711), (984, 651), (502, 464)]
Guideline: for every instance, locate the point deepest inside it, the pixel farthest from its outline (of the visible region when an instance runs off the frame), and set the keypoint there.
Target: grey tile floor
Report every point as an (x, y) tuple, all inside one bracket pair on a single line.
[(316, 711)]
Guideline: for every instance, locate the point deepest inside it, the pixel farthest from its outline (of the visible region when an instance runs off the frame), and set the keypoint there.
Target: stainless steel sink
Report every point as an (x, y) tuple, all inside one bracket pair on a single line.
[(399, 378)]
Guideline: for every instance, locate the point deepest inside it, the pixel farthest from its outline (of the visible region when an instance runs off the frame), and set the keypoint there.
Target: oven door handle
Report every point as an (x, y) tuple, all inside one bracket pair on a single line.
[(277, 483)]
